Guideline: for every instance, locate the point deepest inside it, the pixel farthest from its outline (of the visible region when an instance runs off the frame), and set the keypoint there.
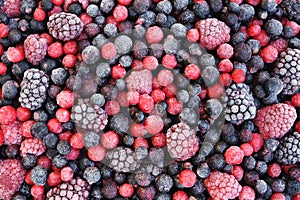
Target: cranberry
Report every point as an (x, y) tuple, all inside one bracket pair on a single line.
[(133, 97), (44, 161), (154, 35), (69, 61), (55, 50), (25, 128), (174, 106), (4, 30), (169, 61), (65, 99), (234, 155), (238, 76), (126, 190), (296, 100), (1, 139), (96, 153), (269, 54), (140, 142), (254, 30), (66, 136), (86, 19), (110, 140), (237, 172), (108, 51), (23, 114), (274, 170), (39, 14), (70, 47), (15, 54), (120, 13), (66, 174), (263, 38), (216, 91), (247, 149), (159, 140), (192, 72), (226, 79), (54, 125), (73, 155), (124, 2), (225, 51), (278, 196), (225, 66), (118, 72), (193, 35), (165, 77), (154, 124), (150, 62), (170, 90), (146, 103), (58, 2), (257, 142), (3, 68), (187, 178), (54, 179), (137, 130), (247, 193), (37, 191), (180, 195), (158, 95)]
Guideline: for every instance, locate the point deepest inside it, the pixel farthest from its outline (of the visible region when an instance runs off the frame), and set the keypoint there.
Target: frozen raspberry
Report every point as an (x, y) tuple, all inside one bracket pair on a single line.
[(11, 133), (182, 142), (213, 33), (222, 186), (276, 120), (12, 8), (64, 26), (140, 81), (12, 175), (32, 146), (35, 48)]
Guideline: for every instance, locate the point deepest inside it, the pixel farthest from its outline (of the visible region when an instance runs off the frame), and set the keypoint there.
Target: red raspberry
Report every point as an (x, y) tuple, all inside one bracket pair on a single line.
[(112, 107), (274, 170), (11, 133), (65, 136), (234, 155), (276, 120), (238, 172), (269, 54), (69, 61), (159, 140), (15, 54), (212, 33), (154, 124), (247, 193), (154, 35), (257, 142), (54, 179), (108, 51), (140, 142), (25, 128), (133, 97), (192, 35), (96, 153), (126, 190), (66, 174), (118, 71), (137, 130), (23, 114), (225, 51), (146, 103), (54, 125), (238, 76), (187, 178), (225, 66), (62, 115), (12, 8), (180, 195), (65, 99), (247, 149), (296, 100), (150, 62), (120, 13), (110, 140), (55, 50), (169, 61), (140, 81), (12, 176), (165, 77), (136, 65), (192, 72), (222, 186), (32, 146), (174, 106)]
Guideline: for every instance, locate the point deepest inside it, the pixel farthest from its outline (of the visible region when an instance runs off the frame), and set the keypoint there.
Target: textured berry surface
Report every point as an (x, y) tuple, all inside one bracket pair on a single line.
[(140, 81), (35, 48), (11, 133), (289, 148), (32, 146)]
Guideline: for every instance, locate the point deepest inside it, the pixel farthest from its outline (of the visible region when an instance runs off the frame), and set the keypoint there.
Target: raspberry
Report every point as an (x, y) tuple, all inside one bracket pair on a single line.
[(66, 174), (120, 13), (234, 155), (64, 26), (225, 66), (11, 133), (276, 120), (12, 176), (187, 178), (254, 30), (32, 146), (169, 61), (118, 72), (225, 51), (182, 142), (274, 170), (7, 115), (12, 8), (140, 81), (55, 50), (222, 186), (212, 33)]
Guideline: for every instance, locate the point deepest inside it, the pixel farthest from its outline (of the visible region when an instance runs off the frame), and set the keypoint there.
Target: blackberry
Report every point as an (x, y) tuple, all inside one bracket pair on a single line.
[(29, 161), (92, 175), (38, 175), (63, 147), (10, 89), (291, 9), (240, 105), (33, 89), (109, 189), (91, 139), (64, 26), (287, 68), (217, 162), (164, 183), (89, 117), (288, 151), (50, 140), (119, 123), (59, 76), (76, 188), (39, 130), (59, 161)]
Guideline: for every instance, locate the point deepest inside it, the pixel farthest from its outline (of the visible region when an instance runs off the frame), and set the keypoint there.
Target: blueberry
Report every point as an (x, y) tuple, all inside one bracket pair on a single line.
[(243, 52), (75, 8), (149, 18), (107, 5), (93, 10), (29, 161), (91, 139), (261, 167), (59, 76), (50, 140), (14, 36), (273, 27), (203, 170), (217, 162), (165, 7), (59, 161), (216, 5), (278, 185), (246, 13), (10, 89), (202, 9), (141, 6), (47, 5), (63, 147), (92, 175), (38, 175), (249, 163)]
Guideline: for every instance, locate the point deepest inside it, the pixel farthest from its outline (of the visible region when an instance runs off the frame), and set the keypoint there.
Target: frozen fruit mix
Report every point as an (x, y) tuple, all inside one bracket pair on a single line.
[(149, 99)]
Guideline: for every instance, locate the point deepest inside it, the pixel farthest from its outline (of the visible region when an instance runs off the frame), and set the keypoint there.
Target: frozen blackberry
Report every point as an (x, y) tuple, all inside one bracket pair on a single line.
[(91, 139), (92, 175), (109, 189), (291, 9), (164, 183), (29, 161), (33, 89), (10, 89), (63, 147), (288, 151), (64, 26), (59, 76), (39, 130), (59, 161), (287, 68), (182, 142), (89, 117), (38, 175), (119, 123), (122, 159), (75, 189), (50, 140), (240, 105)]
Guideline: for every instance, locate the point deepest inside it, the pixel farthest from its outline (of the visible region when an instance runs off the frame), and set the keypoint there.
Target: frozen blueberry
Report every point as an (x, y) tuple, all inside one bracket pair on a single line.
[(38, 175), (39, 130), (63, 147), (50, 140), (92, 175), (110, 30), (273, 27), (92, 10), (59, 76), (10, 89)]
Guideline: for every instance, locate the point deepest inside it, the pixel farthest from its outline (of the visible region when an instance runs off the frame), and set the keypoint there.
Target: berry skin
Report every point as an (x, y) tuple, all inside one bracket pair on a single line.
[(23, 114), (120, 13), (112, 108), (39, 14), (254, 30), (110, 140), (7, 115), (158, 95), (187, 178), (154, 124), (15, 54), (247, 149), (65, 99), (192, 72), (238, 76), (234, 155), (180, 195), (118, 72), (269, 54), (225, 51), (274, 170), (247, 193), (54, 126), (296, 100), (154, 35), (146, 103), (69, 61), (55, 50), (54, 179), (3, 68), (96, 153), (225, 66), (126, 190)]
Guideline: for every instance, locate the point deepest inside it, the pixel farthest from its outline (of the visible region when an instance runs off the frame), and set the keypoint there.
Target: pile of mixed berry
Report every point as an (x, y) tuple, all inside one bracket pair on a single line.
[(149, 99)]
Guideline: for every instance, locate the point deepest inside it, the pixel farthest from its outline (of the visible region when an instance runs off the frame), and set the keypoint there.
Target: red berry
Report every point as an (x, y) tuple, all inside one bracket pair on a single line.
[(66, 174), (48, 38), (126, 190), (133, 97), (169, 61), (140, 142), (225, 66), (7, 115), (170, 90), (165, 77), (238, 76), (54, 179), (159, 140), (192, 71), (187, 178), (154, 124), (180, 195), (55, 50), (269, 54), (73, 155), (44, 161), (69, 61), (118, 71), (25, 128), (137, 130), (278, 196), (226, 79), (193, 35), (174, 106), (225, 51), (96, 153), (120, 13), (110, 140), (150, 62), (136, 65), (4, 30), (237, 172), (274, 170), (37, 192), (66, 136), (54, 126), (234, 155), (247, 193), (39, 14), (257, 142), (65, 99), (108, 51), (146, 103), (1, 139), (247, 149), (216, 91), (76, 141), (58, 2), (254, 30), (63, 115), (154, 35), (112, 107), (263, 38), (296, 100), (23, 114), (3, 68), (124, 2), (28, 179), (70, 47), (86, 19), (15, 54), (158, 95)]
